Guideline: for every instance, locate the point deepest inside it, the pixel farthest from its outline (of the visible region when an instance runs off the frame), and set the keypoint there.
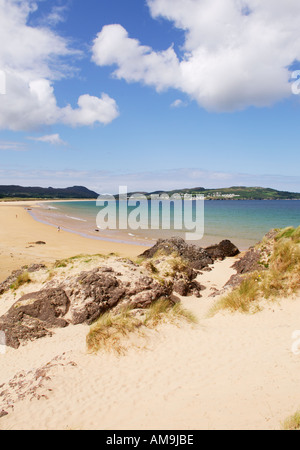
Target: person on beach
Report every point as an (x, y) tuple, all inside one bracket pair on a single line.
[(58, 229)]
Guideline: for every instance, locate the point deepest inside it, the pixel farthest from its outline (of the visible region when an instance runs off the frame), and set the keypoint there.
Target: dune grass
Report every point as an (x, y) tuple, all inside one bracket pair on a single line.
[(292, 422), (81, 258), (22, 279), (280, 279), (109, 331)]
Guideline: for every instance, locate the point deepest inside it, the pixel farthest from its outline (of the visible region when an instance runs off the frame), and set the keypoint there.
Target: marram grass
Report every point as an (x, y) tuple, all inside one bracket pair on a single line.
[(22, 279), (280, 279), (109, 331), (292, 422)]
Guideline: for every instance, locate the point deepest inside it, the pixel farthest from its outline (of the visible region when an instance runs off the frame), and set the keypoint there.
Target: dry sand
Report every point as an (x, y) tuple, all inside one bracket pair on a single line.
[(231, 371), (18, 230)]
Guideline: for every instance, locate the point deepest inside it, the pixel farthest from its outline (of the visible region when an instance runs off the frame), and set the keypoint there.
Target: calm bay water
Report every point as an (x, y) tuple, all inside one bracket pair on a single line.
[(244, 221)]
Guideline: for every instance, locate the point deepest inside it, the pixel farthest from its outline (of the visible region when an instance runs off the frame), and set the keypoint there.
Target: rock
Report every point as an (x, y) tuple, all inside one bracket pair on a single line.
[(222, 250), (33, 314), (76, 300), (249, 262), (197, 257), (3, 413), (5, 285), (91, 294)]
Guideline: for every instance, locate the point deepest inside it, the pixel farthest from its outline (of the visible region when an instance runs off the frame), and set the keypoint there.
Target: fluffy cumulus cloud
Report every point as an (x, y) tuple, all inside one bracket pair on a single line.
[(31, 59), (236, 53)]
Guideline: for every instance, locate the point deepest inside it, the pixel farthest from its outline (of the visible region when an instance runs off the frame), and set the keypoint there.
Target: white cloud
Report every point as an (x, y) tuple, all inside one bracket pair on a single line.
[(12, 146), (32, 58), (56, 15), (53, 139), (236, 53), (178, 104), (109, 181)]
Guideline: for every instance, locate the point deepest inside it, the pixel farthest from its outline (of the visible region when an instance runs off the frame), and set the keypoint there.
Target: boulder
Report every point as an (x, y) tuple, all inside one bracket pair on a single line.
[(197, 257), (33, 314), (222, 250)]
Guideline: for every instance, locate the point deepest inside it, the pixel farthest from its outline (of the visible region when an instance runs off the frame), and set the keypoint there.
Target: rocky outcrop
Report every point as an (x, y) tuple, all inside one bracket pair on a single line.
[(80, 299), (197, 257), (33, 315), (249, 262), (5, 285), (83, 296), (185, 284), (224, 249)]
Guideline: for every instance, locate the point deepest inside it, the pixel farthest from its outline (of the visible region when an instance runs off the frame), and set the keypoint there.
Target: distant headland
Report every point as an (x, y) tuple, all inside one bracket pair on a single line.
[(13, 192)]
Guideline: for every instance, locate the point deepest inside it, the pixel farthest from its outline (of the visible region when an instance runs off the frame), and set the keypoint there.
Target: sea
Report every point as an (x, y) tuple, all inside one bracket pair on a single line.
[(244, 222)]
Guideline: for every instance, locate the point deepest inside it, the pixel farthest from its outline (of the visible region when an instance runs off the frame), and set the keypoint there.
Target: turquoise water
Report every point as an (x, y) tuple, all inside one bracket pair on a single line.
[(244, 221)]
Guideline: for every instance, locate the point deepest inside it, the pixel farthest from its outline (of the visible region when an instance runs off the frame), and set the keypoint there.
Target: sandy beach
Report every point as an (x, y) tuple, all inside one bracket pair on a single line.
[(19, 231), (229, 371)]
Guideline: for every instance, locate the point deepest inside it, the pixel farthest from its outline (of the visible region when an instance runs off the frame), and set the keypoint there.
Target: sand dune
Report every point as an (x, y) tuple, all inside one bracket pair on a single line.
[(231, 371)]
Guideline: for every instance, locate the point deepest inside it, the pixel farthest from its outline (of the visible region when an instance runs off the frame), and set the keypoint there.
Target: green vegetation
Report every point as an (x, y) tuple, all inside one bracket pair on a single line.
[(82, 258), (234, 193), (292, 422), (29, 193), (163, 311), (109, 331), (22, 279), (280, 279)]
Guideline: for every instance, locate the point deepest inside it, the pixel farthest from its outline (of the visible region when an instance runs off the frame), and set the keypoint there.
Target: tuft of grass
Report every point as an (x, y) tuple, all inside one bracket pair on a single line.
[(109, 331), (292, 422), (178, 265), (289, 233), (151, 267), (240, 299), (281, 277), (139, 260), (22, 279), (164, 311), (85, 258)]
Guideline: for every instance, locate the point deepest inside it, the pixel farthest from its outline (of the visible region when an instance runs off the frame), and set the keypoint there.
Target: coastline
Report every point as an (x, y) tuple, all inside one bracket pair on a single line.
[(213, 374), (77, 221), (19, 232)]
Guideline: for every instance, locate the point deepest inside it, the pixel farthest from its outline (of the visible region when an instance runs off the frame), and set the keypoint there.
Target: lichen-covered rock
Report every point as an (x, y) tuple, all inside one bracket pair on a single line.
[(91, 294), (196, 256), (33, 315), (78, 299)]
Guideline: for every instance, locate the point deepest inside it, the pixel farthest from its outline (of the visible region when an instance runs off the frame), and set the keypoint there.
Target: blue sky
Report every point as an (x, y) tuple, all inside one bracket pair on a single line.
[(171, 93)]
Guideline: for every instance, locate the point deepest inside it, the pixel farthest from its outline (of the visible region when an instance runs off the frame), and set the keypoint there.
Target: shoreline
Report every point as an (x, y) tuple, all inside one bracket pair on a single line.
[(137, 237), (19, 233)]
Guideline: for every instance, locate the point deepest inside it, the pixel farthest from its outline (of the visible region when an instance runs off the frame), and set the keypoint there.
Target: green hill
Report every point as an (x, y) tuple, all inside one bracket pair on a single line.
[(19, 192), (235, 193)]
